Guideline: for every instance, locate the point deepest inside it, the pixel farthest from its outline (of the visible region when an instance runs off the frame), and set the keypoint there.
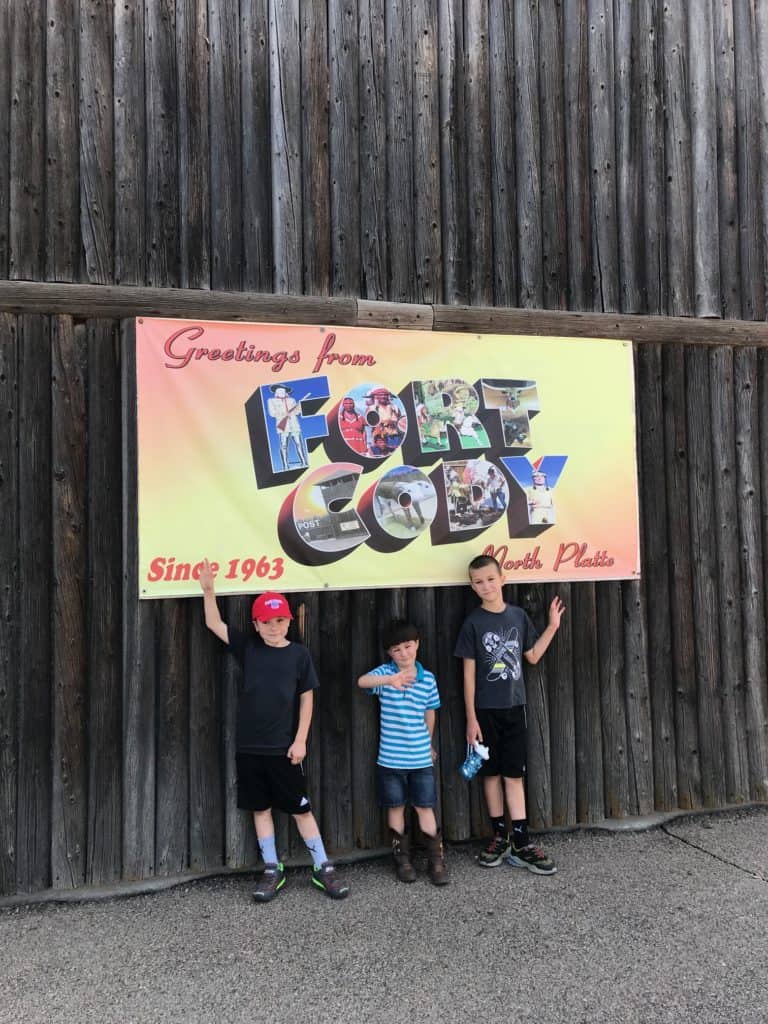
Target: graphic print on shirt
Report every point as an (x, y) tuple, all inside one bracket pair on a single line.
[(502, 655)]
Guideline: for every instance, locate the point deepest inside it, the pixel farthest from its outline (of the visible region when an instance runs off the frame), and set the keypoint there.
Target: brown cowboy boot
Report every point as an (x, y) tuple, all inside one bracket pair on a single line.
[(401, 851), (437, 869)]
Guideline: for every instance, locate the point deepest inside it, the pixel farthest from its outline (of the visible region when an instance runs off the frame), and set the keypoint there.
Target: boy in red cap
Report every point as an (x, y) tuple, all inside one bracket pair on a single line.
[(278, 675)]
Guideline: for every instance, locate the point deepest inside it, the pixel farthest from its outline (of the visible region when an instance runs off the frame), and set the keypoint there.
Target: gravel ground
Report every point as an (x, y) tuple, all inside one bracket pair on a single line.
[(664, 925)]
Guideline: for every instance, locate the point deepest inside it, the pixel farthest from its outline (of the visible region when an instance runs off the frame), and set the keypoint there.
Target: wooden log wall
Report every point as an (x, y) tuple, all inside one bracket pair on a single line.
[(585, 167)]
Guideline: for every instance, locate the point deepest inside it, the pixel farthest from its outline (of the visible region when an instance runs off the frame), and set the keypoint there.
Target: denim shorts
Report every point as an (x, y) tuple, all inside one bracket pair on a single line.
[(399, 786)]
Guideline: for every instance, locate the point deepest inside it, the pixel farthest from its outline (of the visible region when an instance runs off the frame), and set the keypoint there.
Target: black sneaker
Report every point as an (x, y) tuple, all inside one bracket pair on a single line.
[(533, 858), (270, 883), (325, 878), (494, 853)]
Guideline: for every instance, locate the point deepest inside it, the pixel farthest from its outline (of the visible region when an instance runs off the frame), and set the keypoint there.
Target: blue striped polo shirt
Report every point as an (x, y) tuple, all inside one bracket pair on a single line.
[(404, 738)]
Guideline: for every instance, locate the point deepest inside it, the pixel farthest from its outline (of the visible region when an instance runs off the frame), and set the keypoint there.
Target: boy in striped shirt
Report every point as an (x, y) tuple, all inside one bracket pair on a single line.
[(408, 699)]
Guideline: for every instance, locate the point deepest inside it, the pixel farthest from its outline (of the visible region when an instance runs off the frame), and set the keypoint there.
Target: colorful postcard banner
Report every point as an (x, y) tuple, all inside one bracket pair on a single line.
[(304, 458)]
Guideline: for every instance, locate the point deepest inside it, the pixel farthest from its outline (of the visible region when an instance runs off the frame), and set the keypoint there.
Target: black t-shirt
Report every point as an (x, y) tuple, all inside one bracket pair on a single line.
[(497, 641), (273, 679)]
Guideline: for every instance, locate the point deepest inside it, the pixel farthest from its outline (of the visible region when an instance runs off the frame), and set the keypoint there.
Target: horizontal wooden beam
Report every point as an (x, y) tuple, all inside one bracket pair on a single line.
[(86, 301)]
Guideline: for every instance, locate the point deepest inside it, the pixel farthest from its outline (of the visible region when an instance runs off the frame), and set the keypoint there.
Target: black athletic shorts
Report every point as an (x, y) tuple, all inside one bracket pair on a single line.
[(265, 781), (504, 733)]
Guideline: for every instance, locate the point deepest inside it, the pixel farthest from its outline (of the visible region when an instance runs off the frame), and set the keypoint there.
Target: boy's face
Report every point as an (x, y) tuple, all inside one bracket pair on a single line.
[(404, 654), (274, 632), (487, 583)]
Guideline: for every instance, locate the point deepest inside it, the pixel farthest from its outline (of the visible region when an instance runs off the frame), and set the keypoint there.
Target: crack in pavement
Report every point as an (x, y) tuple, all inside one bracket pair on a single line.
[(715, 856)]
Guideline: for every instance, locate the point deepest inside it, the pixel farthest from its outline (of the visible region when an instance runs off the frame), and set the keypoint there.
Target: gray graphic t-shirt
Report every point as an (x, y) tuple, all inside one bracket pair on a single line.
[(497, 642)]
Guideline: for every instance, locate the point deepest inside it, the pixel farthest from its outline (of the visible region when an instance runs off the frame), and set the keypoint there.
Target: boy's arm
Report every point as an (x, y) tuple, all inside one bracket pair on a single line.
[(213, 619), (474, 735), (298, 749), (538, 650), (400, 680), (430, 718)]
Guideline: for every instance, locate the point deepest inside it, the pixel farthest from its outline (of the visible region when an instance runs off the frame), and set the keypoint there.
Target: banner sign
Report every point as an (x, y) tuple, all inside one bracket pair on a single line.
[(300, 457)]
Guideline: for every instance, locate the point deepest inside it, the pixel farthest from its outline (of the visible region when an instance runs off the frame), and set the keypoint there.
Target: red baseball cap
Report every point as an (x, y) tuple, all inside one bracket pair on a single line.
[(270, 606)]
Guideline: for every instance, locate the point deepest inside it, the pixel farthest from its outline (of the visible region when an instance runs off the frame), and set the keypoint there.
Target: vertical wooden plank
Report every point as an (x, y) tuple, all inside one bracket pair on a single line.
[(562, 727), (553, 173), (373, 164), (105, 563), (706, 241), (478, 128), (257, 181), (421, 607), (162, 211), (732, 682), (399, 136), (612, 701), (337, 692), (5, 142), (9, 597), (453, 186), (628, 155), (172, 688), (704, 573), (761, 42), (62, 189), (681, 603), (194, 150), (330, 180), (637, 699), (225, 127), (655, 561), (750, 136), (70, 623), (575, 91), (206, 807), (727, 170), (285, 113), (537, 683), (97, 138), (426, 143), (138, 668), (27, 137), (677, 147), (748, 481), (307, 610), (451, 722), (365, 653), (239, 834), (501, 59), (130, 144), (651, 128), (590, 804), (528, 156), (344, 160), (602, 105), (33, 671)]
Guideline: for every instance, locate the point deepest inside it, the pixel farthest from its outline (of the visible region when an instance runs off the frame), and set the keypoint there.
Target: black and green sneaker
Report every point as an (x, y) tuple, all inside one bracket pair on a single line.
[(325, 878), (495, 852), (533, 858), (270, 883)]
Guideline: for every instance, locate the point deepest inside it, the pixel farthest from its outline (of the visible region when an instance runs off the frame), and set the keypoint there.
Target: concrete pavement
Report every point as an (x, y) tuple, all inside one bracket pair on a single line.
[(656, 926)]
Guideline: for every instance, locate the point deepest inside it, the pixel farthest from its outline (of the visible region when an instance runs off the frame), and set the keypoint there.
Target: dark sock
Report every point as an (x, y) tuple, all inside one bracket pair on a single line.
[(499, 827), (519, 833)]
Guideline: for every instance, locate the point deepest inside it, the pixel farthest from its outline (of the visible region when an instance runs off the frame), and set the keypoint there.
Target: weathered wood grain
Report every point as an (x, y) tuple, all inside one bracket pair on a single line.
[(637, 697), (426, 162), (562, 725), (34, 645), (194, 152), (628, 113), (26, 232), (652, 154), (343, 162), (374, 271), (62, 168), (726, 515), (612, 700), (553, 169), (69, 812), (105, 634), (528, 157), (704, 575), (533, 599), (577, 182), (364, 654), (501, 71), (590, 803), (5, 150), (225, 127), (206, 807), (285, 119), (727, 168), (453, 168), (130, 135), (749, 473), (451, 718), (98, 197), (9, 597), (325, 146), (399, 151)]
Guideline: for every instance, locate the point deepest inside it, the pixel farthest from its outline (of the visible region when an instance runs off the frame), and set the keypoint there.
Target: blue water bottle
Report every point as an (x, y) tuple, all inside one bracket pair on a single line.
[(476, 754)]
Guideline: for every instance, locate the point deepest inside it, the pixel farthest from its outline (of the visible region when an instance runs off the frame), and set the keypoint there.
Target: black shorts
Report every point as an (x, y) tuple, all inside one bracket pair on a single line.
[(504, 733), (265, 781)]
